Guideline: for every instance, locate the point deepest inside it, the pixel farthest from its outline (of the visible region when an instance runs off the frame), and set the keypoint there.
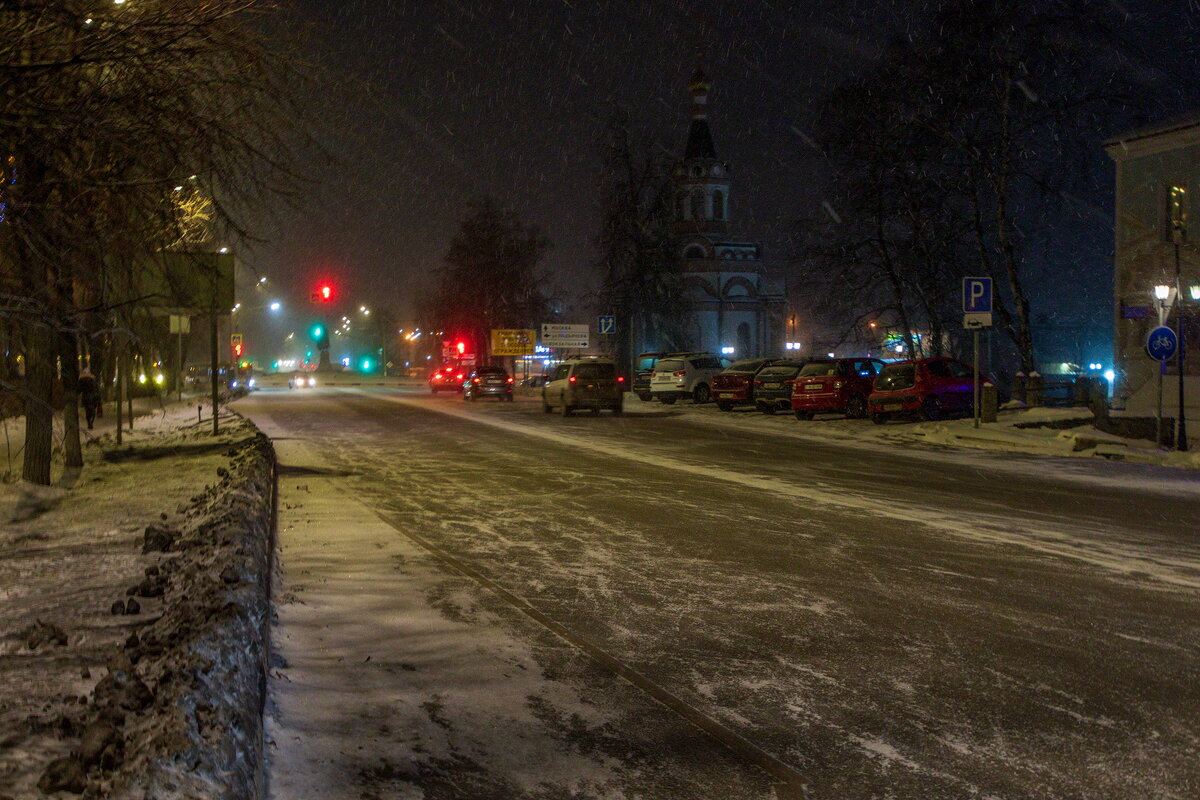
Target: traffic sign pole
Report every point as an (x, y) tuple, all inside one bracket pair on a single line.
[(975, 336)]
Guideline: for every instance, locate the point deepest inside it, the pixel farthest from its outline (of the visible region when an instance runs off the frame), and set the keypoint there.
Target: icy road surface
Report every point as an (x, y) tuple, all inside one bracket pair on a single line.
[(462, 582)]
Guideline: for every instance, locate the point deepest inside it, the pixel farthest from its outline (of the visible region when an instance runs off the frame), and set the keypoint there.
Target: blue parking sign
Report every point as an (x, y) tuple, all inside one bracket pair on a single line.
[(977, 295), (1162, 343)]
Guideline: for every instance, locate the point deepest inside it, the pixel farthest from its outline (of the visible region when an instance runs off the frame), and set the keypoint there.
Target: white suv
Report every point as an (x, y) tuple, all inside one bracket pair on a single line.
[(684, 375)]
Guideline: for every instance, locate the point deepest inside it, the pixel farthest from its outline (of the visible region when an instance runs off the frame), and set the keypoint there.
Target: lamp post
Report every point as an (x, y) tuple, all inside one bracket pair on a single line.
[(1178, 235), (1162, 296)]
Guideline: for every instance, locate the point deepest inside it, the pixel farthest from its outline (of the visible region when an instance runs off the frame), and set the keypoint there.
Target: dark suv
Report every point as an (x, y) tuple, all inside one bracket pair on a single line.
[(641, 375), (488, 382)]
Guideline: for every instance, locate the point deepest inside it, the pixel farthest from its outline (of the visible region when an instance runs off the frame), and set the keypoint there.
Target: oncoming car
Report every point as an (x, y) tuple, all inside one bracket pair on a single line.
[(301, 381)]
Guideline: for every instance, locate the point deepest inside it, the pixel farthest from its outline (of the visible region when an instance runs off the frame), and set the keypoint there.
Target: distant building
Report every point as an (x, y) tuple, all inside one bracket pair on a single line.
[(732, 304), (1158, 170)]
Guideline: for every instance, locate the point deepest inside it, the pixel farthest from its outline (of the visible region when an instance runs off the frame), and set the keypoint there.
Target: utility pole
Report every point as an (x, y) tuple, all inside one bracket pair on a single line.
[(1181, 439)]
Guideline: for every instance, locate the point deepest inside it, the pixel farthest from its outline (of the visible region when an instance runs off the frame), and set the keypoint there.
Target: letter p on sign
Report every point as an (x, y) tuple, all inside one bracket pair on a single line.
[(977, 295)]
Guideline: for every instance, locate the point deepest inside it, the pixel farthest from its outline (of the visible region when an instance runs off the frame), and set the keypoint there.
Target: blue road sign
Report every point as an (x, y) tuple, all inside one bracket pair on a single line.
[(977, 295), (606, 323), (1162, 343)]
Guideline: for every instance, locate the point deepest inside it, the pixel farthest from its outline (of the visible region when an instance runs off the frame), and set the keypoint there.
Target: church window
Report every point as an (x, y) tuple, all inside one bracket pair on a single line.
[(694, 251), (718, 201), (698, 205), (681, 206), (697, 171)]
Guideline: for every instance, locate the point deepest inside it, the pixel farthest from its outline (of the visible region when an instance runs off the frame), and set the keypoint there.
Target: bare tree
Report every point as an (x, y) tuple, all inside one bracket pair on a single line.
[(108, 109)]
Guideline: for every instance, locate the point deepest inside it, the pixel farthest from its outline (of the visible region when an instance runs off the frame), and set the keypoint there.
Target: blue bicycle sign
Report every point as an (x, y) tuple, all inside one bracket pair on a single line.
[(1162, 343)]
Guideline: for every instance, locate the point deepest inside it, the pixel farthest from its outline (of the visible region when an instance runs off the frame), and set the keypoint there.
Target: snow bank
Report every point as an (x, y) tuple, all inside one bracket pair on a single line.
[(133, 640)]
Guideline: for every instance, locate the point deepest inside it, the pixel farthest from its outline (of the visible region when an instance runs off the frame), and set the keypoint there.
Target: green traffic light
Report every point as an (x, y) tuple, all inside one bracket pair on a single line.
[(317, 331)]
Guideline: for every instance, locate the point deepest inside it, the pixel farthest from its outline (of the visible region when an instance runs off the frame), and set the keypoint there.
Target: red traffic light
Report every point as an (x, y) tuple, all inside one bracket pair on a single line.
[(237, 350), (323, 293), (461, 347)]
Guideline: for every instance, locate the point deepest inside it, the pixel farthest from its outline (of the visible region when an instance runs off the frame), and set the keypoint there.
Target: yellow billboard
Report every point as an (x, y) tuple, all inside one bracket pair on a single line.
[(513, 342)]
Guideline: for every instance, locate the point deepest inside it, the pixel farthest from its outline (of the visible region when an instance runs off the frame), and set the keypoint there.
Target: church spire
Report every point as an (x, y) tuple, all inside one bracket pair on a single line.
[(699, 141)]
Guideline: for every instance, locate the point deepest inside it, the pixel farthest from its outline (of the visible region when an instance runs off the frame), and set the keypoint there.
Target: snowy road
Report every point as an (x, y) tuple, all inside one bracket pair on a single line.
[(872, 620)]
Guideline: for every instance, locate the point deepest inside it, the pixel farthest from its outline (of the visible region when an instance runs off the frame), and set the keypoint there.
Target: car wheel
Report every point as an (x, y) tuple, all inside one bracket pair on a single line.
[(617, 411), (725, 406), (566, 409), (931, 409), (645, 397), (667, 401), (856, 407), (546, 407), (879, 417), (700, 394), (508, 398), (803, 414), (433, 390), (767, 408)]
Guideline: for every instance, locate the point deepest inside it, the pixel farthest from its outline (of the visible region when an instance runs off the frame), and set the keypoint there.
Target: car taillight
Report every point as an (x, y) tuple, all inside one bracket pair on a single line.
[(679, 374), (620, 379), (437, 377), (571, 379), (476, 380), (758, 382), (510, 380), (460, 377)]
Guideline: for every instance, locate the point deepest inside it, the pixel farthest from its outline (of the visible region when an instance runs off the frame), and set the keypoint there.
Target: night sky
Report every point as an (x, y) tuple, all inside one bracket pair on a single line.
[(427, 104)]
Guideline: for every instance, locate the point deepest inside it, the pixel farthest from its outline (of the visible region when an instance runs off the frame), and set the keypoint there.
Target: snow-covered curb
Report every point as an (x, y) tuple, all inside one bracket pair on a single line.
[(207, 654), (176, 712)]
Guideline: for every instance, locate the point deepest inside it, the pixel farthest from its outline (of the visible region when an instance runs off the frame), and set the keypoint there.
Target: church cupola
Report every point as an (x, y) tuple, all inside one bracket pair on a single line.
[(701, 179)]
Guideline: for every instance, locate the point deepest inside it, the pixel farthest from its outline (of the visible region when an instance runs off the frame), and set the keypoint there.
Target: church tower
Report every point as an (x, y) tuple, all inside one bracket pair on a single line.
[(701, 179), (734, 311)]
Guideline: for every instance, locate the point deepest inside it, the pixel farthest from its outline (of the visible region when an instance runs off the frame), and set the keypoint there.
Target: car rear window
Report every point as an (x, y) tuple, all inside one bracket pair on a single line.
[(819, 369), (896, 376), (669, 365), (747, 365), (593, 371), (490, 371), (647, 362), (779, 372)]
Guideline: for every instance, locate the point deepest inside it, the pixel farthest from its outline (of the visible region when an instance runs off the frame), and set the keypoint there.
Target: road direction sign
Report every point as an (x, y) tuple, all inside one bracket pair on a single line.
[(977, 296), (572, 337), (1162, 343), (606, 324)]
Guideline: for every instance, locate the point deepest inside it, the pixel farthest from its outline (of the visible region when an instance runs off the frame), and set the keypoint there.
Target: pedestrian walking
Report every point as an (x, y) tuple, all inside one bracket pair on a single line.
[(89, 396)]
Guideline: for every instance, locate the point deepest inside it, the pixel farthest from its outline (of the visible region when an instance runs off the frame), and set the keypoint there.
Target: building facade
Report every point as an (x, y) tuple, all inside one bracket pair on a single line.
[(733, 308), (1157, 172)]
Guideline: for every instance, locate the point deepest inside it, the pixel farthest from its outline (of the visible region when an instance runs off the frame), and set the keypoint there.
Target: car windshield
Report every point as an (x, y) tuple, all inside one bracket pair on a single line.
[(748, 365), (819, 369), (593, 371), (896, 376), (669, 365)]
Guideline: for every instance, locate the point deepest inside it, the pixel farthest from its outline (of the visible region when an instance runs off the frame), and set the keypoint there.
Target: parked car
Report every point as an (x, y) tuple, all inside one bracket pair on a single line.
[(587, 382), (641, 375), (829, 385), (488, 382), (734, 386), (448, 378), (684, 375), (926, 387), (773, 386)]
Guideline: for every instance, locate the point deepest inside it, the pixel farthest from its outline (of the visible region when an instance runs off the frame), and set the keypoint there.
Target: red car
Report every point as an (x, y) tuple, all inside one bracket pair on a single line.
[(926, 387), (735, 385), (447, 379), (829, 385)]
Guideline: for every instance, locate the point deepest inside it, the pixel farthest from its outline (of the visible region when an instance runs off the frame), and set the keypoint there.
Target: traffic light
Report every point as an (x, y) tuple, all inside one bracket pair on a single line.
[(317, 332), (237, 350), (461, 347), (323, 293)]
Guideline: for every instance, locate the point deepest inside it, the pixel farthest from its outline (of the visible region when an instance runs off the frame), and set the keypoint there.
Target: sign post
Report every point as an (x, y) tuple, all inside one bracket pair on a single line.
[(977, 314), (1161, 345)]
